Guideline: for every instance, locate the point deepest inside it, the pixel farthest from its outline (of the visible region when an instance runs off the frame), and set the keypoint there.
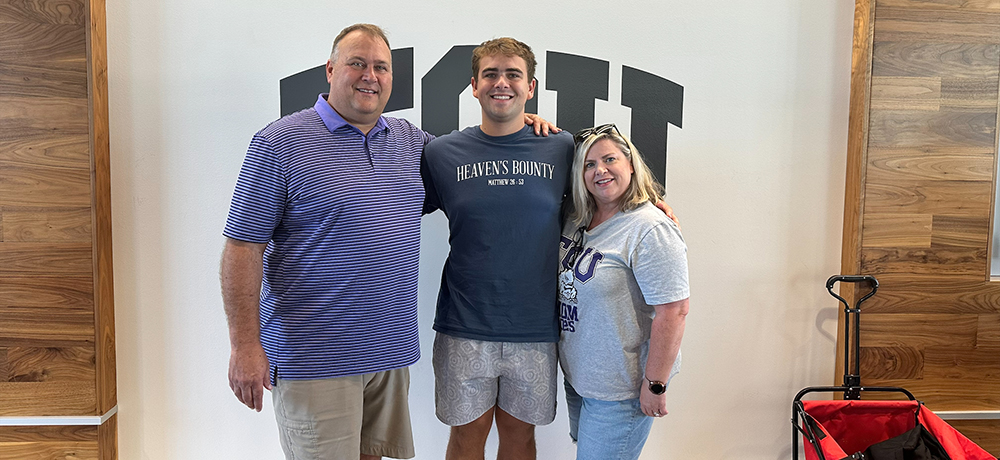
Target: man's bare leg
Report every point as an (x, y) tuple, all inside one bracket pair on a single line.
[(468, 442), (517, 438)]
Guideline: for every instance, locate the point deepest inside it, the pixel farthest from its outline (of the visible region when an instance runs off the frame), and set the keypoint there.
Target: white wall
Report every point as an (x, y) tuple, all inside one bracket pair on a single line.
[(756, 175)]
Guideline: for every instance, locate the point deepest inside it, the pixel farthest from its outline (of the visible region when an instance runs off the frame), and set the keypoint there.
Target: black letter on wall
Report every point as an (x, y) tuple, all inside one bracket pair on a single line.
[(402, 80), (579, 80), (441, 87), (299, 91), (655, 101)]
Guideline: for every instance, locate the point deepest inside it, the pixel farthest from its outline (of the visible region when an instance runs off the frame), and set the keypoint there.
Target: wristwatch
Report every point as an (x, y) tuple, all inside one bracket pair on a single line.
[(656, 387)]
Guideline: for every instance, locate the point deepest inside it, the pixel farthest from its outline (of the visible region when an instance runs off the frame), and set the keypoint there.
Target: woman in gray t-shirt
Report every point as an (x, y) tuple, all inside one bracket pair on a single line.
[(623, 295)]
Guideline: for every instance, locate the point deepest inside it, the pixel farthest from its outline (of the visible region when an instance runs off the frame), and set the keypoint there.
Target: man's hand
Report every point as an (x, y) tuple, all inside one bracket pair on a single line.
[(652, 405), (669, 212), (248, 375), (542, 127), (240, 275)]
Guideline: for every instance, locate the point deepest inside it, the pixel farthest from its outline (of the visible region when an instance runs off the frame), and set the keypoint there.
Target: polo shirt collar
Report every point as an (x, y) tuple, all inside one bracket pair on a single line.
[(334, 121)]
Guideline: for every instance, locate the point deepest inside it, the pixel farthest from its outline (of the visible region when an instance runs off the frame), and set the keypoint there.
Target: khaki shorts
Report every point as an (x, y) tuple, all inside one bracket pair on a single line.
[(345, 417), (471, 376)]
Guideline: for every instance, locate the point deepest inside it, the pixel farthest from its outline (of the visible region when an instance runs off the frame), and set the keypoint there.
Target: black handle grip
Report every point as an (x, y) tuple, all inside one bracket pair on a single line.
[(852, 279)]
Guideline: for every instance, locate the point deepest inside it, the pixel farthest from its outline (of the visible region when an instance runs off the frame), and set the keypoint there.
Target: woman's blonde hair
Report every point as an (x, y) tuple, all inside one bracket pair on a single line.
[(643, 186)]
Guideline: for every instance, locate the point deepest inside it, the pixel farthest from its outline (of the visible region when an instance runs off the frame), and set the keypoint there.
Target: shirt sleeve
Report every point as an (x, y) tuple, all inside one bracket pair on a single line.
[(428, 137), (259, 199), (431, 200), (659, 263)]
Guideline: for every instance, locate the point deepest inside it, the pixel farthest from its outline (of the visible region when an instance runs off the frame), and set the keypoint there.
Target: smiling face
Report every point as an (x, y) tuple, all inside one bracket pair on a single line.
[(502, 87), (360, 79), (607, 173)]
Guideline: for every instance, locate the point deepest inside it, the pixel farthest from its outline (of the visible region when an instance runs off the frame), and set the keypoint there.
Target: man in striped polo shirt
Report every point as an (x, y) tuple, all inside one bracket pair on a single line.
[(310, 245), (326, 211)]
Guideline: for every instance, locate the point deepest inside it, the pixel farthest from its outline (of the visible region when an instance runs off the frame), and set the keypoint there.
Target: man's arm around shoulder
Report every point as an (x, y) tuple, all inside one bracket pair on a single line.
[(241, 273)]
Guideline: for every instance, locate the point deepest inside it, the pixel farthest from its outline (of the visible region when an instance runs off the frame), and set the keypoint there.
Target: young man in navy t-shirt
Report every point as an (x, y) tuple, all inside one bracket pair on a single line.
[(501, 188)]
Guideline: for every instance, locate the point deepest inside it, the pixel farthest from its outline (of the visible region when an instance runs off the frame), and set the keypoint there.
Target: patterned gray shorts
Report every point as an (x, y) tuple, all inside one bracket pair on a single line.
[(471, 376)]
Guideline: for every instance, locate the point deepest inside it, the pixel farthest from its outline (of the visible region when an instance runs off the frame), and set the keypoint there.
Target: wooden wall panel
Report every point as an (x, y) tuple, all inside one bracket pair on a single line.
[(982, 432), (893, 362), (43, 11), (945, 5), (917, 293), (911, 93), (49, 442), (942, 394), (46, 258), (50, 450), (50, 78), (988, 331), (919, 330), (937, 25), (915, 128), (921, 183), (23, 326), (44, 186), (47, 399), (56, 302), (888, 165), (965, 198), (33, 291), (10, 434), (918, 58), (52, 225), (898, 230)]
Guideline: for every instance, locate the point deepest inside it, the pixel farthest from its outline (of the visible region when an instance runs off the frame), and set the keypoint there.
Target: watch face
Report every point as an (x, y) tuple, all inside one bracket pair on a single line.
[(657, 388)]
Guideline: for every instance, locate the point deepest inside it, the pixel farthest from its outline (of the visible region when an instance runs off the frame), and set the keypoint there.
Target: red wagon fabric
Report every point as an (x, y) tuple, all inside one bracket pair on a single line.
[(845, 428)]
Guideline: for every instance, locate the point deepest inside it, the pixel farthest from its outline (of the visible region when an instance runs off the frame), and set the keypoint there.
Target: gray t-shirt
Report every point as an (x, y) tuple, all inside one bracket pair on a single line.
[(625, 265)]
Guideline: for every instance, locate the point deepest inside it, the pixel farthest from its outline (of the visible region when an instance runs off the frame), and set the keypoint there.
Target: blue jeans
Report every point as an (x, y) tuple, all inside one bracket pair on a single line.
[(606, 430)]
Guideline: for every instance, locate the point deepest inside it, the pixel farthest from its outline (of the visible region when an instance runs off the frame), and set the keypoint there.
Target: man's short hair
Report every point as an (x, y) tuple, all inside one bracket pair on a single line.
[(506, 46), (370, 29)]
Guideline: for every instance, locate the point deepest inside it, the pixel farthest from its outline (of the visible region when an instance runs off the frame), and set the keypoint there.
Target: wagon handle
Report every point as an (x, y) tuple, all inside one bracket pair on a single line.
[(852, 380)]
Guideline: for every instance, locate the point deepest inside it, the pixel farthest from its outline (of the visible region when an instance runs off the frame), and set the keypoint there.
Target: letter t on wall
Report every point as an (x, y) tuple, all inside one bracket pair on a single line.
[(655, 101), (579, 80)]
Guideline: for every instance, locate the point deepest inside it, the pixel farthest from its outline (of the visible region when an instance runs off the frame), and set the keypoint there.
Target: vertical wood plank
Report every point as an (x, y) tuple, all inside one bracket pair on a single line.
[(857, 156), (104, 311), (107, 439)]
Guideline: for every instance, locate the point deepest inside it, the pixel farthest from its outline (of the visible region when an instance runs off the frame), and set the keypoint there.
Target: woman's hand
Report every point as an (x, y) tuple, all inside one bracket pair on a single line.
[(652, 405), (664, 344)]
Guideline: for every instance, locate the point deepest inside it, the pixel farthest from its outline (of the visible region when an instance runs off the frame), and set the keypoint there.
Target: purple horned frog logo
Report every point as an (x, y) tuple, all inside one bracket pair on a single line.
[(567, 292)]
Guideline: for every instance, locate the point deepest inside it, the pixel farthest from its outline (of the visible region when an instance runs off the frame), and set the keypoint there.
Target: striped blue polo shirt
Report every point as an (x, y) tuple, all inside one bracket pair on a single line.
[(340, 213)]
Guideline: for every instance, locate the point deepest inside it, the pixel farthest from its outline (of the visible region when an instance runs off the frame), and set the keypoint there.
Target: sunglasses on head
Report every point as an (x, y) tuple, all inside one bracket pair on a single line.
[(583, 134)]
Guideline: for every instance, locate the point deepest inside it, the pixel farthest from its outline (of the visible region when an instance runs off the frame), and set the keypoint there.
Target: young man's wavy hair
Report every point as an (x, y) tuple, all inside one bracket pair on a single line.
[(504, 46)]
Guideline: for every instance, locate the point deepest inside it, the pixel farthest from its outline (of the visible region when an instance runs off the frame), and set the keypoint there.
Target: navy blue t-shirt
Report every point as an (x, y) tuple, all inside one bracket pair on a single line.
[(502, 196)]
